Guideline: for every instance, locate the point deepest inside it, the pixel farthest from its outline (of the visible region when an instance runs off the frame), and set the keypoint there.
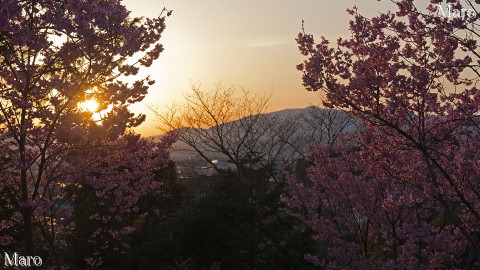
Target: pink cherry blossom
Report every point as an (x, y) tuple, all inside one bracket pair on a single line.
[(402, 192), (54, 55)]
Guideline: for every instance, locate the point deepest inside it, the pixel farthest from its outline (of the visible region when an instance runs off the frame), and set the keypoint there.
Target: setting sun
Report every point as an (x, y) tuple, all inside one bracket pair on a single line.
[(89, 105)]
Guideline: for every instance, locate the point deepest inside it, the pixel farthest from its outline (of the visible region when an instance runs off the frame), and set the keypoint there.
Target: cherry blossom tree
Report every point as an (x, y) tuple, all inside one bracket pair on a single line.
[(403, 191), (54, 56), (110, 179)]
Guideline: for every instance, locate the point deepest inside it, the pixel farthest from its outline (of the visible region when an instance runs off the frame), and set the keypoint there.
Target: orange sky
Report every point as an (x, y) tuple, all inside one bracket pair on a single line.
[(248, 43)]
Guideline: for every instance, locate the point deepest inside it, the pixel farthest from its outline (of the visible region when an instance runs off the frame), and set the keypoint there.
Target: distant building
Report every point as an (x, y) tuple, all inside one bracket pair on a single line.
[(224, 165), (208, 171)]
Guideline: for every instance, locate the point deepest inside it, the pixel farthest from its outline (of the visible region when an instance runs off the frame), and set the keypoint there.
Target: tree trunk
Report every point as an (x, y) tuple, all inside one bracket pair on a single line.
[(28, 231)]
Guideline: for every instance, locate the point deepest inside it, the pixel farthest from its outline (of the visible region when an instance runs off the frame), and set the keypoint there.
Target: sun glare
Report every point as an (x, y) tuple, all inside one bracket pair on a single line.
[(89, 105)]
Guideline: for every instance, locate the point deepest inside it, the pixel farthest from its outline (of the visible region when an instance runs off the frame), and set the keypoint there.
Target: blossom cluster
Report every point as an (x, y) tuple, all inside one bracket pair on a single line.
[(402, 192)]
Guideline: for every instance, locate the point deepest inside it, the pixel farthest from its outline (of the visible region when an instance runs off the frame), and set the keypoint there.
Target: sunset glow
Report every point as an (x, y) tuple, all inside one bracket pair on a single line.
[(90, 105)]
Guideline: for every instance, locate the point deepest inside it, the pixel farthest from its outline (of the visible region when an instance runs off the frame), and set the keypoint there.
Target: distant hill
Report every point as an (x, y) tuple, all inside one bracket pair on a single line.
[(307, 121)]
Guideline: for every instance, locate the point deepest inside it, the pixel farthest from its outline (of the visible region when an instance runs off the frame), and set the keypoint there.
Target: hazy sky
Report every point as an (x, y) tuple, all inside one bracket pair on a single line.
[(248, 43)]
